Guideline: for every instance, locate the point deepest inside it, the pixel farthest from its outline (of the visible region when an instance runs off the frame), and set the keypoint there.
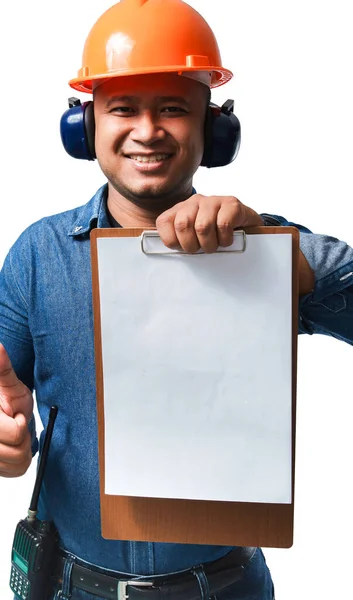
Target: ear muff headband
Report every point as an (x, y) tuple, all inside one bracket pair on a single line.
[(222, 133)]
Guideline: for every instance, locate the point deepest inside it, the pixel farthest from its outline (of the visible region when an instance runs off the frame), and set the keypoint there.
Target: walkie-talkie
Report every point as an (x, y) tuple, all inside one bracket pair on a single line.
[(35, 542)]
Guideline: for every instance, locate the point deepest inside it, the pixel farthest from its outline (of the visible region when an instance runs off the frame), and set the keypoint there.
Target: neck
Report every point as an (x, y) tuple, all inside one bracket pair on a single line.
[(129, 214)]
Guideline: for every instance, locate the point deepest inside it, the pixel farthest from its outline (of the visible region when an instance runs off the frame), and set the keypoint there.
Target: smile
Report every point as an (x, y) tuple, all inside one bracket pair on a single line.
[(143, 158)]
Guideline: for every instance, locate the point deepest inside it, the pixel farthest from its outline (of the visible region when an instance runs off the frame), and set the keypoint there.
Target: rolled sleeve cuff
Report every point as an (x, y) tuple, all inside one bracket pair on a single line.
[(328, 309), (330, 259), (334, 282)]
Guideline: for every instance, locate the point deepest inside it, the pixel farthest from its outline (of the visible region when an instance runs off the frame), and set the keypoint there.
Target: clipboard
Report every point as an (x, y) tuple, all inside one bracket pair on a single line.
[(194, 521)]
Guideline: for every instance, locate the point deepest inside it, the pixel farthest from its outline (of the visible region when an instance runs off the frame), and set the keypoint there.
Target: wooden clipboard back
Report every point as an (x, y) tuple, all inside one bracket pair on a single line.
[(193, 521)]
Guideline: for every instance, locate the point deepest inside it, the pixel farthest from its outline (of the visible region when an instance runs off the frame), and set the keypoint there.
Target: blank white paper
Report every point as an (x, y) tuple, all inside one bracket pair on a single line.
[(197, 354)]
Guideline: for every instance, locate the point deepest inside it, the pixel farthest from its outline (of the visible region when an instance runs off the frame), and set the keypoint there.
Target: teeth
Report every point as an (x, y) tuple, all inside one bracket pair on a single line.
[(150, 159)]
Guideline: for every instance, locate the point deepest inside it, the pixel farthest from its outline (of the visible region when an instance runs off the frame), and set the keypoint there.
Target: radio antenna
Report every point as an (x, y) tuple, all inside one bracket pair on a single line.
[(33, 507)]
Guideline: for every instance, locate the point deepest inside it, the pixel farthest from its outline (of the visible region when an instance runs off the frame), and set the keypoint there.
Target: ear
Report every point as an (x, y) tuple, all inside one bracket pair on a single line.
[(77, 129), (222, 135)]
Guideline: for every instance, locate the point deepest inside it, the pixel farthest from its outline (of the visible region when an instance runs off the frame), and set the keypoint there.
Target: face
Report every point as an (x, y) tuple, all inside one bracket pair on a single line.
[(150, 136)]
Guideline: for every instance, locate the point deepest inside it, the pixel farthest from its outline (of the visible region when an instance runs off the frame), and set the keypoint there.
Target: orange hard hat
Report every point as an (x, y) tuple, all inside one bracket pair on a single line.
[(136, 37)]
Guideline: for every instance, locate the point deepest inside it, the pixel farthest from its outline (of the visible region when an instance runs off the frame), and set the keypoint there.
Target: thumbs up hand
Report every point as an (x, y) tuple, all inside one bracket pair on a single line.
[(16, 409)]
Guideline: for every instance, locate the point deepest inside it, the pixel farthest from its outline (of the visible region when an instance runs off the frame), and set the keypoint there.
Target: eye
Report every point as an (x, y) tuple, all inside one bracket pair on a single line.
[(122, 110), (174, 109)]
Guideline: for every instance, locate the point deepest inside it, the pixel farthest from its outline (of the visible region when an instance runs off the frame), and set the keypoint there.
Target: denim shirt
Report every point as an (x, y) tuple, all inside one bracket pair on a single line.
[(46, 325)]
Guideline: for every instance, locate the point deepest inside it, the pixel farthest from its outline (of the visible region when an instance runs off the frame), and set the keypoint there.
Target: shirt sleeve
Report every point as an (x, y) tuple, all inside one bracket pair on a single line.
[(14, 328), (328, 309)]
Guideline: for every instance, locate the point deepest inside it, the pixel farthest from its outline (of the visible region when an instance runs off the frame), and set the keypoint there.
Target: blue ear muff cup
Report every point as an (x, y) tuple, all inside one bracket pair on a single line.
[(222, 134), (77, 131), (222, 138)]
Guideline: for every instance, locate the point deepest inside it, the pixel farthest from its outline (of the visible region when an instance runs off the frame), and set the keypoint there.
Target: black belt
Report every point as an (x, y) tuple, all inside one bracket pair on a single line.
[(179, 586)]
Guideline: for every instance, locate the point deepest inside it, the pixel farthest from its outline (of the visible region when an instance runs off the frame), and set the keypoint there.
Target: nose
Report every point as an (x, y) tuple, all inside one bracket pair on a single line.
[(147, 129)]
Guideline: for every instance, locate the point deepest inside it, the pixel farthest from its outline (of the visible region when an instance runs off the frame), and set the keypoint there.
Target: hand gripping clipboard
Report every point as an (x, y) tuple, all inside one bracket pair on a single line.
[(136, 516)]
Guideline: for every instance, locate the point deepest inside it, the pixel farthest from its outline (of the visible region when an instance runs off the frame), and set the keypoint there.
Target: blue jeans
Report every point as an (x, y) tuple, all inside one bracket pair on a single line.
[(256, 584)]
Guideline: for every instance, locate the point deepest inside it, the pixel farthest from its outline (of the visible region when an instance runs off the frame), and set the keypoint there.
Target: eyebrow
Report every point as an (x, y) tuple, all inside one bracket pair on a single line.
[(137, 99)]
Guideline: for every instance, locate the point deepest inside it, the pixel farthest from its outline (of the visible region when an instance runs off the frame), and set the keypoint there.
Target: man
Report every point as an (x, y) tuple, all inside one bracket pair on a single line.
[(150, 109)]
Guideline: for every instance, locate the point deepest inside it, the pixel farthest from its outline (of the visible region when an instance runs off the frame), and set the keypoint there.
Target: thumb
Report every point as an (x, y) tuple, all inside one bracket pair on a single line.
[(13, 393), (21, 421)]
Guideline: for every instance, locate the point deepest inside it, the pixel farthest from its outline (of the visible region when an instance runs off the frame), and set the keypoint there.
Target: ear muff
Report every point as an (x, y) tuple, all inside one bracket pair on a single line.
[(77, 129), (222, 135)]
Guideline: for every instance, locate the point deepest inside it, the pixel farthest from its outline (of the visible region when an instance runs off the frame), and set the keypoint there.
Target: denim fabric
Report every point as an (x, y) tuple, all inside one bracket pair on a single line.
[(46, 325), (328, 309)]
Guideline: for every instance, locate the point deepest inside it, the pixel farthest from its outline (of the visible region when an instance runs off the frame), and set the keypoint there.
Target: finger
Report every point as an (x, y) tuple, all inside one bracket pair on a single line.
[(10, 386), (8, 377), (184, 226), (13, 430), (206, 224), (15, 455), (176, 226), (15, 397), (165, 228), (17, 470), (229, 217)]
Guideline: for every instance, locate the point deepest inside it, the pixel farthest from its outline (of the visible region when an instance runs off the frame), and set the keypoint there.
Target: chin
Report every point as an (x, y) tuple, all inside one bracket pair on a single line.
[(152, 191), (147, 191)]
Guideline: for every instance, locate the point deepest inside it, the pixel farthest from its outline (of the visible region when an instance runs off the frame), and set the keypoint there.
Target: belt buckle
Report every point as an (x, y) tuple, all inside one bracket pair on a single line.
[(122, 585)]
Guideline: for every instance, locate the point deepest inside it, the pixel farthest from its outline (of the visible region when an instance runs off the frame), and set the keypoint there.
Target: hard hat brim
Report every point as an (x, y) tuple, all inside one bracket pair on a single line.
[(219, 76)]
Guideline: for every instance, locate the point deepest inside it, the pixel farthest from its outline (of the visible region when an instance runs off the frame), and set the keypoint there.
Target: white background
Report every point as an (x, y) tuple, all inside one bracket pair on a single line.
[(293, 95)]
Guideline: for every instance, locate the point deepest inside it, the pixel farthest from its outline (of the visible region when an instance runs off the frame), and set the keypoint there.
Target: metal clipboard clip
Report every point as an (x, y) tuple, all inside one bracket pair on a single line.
[(238, 246)]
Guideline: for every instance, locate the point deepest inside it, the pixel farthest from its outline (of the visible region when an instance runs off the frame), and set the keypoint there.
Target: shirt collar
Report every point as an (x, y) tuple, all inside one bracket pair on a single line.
[(94, 213)]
